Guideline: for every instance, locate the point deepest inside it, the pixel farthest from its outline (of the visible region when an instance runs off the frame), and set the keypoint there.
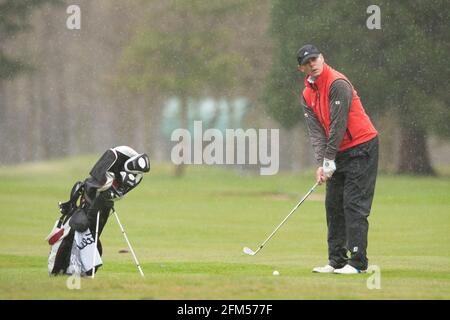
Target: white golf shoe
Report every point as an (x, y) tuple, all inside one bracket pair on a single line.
[(348, 269), (325, 269)]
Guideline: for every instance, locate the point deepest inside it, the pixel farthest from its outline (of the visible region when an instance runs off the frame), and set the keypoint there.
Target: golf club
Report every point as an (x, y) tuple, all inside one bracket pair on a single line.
[(250, 252), (128, 242)]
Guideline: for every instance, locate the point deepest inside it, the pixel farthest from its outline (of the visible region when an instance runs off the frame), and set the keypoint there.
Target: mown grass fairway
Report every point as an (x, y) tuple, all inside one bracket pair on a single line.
[(189, 233)]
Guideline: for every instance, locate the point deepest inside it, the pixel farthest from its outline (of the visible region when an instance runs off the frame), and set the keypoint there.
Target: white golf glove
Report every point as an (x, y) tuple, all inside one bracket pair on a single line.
[(329, 167)]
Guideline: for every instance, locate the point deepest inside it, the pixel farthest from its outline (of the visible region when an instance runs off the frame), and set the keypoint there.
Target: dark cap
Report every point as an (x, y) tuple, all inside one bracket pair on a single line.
[(306, 52)]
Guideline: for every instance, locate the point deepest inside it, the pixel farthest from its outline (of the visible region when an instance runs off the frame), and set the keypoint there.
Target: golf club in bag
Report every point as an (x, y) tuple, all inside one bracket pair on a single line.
[(250, 252), (75, 246)]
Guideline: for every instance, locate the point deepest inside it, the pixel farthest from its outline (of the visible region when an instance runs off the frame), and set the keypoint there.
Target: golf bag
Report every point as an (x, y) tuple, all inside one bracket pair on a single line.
[(72, 239)]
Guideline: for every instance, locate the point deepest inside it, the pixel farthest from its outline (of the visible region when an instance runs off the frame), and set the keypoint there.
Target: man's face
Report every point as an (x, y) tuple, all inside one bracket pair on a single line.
[(313, 67)]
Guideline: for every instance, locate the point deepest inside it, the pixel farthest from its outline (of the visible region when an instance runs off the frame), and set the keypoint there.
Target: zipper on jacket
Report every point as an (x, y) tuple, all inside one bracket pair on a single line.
[(322, 120), (349, 135)]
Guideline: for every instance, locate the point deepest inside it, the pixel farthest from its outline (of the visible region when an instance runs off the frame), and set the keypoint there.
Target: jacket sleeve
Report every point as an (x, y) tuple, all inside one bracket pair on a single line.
[(316, 132), (340, 98)]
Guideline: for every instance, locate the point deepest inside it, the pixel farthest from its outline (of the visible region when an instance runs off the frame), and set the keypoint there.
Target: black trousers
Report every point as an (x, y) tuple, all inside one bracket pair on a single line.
[(348, 202)]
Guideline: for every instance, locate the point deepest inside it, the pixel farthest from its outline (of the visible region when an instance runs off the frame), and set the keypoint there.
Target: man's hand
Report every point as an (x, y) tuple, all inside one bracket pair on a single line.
[(326, 171), (320, 177), (329, 167)]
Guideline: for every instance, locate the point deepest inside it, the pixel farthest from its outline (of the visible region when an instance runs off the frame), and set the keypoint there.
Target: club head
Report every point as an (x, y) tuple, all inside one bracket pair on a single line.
[(249, 251)]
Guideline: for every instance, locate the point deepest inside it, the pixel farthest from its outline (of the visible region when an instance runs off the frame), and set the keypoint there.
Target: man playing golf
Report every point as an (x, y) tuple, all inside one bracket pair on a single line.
[(345, 144)]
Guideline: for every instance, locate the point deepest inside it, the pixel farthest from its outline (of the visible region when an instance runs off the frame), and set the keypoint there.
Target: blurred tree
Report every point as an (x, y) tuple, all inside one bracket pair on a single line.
[(14, 15), (184, 51), (400, 69), (14, 20), (282, 92)]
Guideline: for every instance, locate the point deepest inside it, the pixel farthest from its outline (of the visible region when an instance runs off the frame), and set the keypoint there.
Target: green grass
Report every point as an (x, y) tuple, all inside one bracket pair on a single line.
[(188, 234)]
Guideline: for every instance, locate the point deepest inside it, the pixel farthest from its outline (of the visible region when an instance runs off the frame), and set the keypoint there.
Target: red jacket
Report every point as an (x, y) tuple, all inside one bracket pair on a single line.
[(359, 127)]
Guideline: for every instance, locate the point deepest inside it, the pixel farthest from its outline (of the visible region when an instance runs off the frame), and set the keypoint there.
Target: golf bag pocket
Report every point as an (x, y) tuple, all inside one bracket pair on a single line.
[(55, 239), (79, 221), (71, 252)]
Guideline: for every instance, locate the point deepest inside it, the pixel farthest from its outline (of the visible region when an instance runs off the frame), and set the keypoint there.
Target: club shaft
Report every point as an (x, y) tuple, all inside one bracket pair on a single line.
[(287, 217), (129, 244)]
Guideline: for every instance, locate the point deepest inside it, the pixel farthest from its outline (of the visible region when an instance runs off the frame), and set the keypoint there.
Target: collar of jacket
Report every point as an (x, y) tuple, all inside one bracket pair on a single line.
[(320, 80)]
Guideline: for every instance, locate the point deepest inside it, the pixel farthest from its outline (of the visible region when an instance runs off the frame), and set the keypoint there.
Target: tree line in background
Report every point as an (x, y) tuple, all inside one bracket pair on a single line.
[(65, 92), (400, 71)]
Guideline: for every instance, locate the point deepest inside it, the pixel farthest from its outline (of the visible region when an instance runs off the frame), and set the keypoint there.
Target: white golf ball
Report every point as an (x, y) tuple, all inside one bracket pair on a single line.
[(276, 273)]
